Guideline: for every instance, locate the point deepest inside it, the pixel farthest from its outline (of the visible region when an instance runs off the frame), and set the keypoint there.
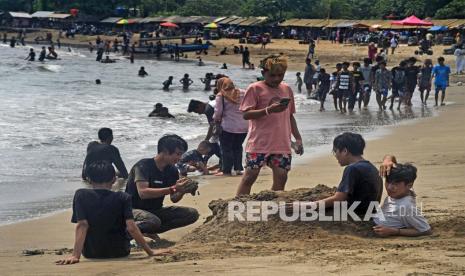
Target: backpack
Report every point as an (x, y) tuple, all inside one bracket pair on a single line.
[(399, 76)]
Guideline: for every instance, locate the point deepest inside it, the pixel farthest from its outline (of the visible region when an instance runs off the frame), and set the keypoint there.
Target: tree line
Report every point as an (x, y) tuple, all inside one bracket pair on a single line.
[(275, 9)]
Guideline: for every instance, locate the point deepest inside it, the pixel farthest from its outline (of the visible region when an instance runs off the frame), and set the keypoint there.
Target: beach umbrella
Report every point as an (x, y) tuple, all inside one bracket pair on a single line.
[(125, 21), (74, 12), (169, 25), (212, 25)]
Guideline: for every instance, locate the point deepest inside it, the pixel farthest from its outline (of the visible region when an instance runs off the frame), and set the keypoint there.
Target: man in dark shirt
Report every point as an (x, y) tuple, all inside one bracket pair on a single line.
[(103, 219), (358, 80), (104, 150), (360, 184), (150, 180), (411, 79), (245, 57)]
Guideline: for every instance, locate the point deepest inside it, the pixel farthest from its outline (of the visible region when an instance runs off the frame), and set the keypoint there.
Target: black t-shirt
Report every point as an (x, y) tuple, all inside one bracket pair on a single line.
[(358, 78), (106, 213), (97, 152), (411, 75), (209, 111), (146, 170), (324, 79), (398, 77), (361, 182)]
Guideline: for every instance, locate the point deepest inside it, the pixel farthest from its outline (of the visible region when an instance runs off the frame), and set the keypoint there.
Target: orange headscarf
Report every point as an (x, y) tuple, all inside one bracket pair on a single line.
[(227, 89)]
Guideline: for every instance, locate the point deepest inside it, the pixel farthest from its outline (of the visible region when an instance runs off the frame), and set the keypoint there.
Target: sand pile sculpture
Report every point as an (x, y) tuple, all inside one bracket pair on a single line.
[(218, 227)]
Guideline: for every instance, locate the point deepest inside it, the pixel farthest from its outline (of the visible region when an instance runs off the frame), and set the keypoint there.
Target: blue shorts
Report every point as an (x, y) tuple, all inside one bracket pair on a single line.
[(384, 91), (440, 87)]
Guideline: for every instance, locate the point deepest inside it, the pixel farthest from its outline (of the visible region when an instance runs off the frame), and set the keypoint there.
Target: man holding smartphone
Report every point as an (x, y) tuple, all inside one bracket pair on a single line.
[(269, 105)]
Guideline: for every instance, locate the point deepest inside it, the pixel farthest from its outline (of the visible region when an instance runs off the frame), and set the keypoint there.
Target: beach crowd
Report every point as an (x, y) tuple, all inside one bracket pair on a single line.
[(263, 115)]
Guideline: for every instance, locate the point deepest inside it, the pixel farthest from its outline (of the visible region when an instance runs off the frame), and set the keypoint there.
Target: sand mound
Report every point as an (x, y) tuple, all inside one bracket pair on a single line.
[(218, 228)]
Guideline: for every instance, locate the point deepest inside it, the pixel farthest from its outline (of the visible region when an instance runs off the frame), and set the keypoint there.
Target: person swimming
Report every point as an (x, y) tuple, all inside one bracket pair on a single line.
[(142, 72), (160, 111), (207, 81), (107, 60), (31, 56), (224, 66), (186, 82), (98, 81), (167, 83), (42, 54), (164, 113), (51, 53), (156, 109), (200, 62)]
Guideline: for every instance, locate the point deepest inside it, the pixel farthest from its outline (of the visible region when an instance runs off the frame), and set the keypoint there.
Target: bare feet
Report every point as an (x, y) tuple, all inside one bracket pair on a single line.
[(222, 174)]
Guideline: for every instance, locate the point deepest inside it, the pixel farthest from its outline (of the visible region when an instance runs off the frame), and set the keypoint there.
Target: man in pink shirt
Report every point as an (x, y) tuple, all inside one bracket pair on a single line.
[(269, 107)]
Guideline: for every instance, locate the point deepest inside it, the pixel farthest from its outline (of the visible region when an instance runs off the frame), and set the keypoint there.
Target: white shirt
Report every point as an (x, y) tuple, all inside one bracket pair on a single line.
[(402, 213)]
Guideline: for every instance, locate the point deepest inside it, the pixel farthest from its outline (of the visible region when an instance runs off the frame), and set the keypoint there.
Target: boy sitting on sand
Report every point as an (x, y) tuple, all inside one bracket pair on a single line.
[(194, 160), (400, 215), (102, 218), (360, 181)]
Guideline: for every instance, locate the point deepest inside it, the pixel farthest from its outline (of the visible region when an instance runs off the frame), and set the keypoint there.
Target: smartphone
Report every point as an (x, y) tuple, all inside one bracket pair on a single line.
[(284, 101)]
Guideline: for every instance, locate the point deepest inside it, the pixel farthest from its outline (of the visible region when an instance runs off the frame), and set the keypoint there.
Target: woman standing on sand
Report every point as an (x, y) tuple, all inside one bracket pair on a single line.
[(234, 127), (372, 51)]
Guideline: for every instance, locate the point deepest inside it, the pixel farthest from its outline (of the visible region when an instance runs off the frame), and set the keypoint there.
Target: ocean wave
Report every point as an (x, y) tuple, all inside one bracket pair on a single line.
[(50, 68)]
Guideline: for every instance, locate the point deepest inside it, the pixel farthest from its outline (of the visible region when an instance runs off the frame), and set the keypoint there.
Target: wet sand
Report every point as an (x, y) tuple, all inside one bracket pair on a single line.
[(435, 145)]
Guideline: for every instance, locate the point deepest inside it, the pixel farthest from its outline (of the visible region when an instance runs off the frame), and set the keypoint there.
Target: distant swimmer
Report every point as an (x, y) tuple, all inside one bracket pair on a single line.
[(164, 113), (51, 53), (156, 110), (31, 56), (142, 72), (207, 81), (13, 42), (167, 83), (98, 81), (200, 62), (107, 60), (186, 82), (224, 66), (104, 150), (42, 54)]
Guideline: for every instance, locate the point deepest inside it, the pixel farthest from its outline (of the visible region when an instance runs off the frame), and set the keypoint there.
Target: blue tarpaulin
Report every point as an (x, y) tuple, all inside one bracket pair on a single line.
[(438, 28)]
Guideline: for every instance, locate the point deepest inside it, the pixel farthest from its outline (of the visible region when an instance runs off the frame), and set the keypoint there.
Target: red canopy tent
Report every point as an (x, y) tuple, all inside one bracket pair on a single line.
[(169, 25), (412, 21)]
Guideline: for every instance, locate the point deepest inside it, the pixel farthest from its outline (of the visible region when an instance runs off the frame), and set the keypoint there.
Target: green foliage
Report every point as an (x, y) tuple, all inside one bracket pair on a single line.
[(275, 9), (455, 9)]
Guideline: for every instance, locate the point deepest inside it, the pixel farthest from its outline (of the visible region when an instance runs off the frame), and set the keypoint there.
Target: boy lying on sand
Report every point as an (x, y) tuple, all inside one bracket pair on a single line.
[(400, 216), (102, 218)]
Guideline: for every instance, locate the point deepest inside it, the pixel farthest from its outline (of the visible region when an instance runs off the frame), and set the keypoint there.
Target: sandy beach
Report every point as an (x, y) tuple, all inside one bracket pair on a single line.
[(435, 145)]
